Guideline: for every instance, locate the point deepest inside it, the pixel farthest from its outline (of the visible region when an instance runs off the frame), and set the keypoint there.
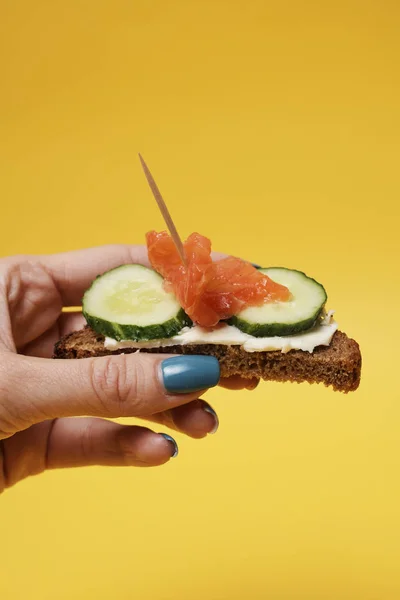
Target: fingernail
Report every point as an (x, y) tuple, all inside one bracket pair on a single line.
[(256, 266), (209, 409), (173, 444), (184, 374)]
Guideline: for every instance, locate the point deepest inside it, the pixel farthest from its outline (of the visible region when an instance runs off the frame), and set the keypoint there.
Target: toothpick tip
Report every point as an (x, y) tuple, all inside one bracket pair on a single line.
[(164, 210)]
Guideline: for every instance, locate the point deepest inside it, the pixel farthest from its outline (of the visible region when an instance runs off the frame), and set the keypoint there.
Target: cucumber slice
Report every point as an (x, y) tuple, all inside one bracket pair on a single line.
[(284, 318), (130, 303)]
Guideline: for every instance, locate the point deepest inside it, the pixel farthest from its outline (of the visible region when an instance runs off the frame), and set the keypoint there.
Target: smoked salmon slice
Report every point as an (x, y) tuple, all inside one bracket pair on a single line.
[(209, 291)]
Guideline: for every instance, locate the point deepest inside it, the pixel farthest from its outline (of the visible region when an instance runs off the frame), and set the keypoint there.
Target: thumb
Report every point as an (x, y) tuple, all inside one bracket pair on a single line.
[(132, 385)]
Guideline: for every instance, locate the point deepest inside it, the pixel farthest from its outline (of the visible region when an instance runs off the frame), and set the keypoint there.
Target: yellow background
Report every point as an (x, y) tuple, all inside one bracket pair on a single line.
[(273, 128)]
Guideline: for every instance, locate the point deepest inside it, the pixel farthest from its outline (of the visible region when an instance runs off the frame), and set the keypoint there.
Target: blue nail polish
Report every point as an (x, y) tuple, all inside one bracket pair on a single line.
[(173, 444), (209, 409), (184, 374)]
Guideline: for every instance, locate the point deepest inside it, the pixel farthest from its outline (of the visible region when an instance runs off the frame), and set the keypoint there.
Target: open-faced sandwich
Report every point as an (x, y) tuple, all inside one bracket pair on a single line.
[(267, 323)]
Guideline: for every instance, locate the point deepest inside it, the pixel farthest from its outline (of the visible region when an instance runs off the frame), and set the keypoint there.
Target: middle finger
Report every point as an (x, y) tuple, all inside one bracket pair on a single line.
[(196, 419)]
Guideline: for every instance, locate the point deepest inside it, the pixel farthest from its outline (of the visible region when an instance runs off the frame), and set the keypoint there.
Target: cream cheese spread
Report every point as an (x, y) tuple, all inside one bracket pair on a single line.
[(320, 335)]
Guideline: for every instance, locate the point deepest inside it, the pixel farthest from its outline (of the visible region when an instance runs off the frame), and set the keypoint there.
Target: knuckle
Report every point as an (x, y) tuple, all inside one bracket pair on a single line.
[(149, 396), (142, 387), (126, 386), (112, 384)]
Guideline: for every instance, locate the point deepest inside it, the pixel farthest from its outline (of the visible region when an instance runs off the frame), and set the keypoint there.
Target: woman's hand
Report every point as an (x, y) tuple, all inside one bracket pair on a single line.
[(39, 396)]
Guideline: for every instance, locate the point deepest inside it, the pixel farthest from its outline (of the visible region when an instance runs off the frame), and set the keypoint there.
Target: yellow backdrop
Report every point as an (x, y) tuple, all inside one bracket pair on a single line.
[(273, 128)]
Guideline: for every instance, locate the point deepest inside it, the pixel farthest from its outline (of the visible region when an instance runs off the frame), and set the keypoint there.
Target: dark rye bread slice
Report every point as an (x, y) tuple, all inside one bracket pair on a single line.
[(337, 365)]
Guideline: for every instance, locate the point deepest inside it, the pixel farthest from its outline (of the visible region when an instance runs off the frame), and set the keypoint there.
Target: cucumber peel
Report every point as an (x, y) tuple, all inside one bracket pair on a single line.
[(296, 315), (130, 303)]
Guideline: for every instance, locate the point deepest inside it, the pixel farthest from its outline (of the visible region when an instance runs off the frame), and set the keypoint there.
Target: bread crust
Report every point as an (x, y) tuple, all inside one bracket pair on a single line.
[(337, 365)]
